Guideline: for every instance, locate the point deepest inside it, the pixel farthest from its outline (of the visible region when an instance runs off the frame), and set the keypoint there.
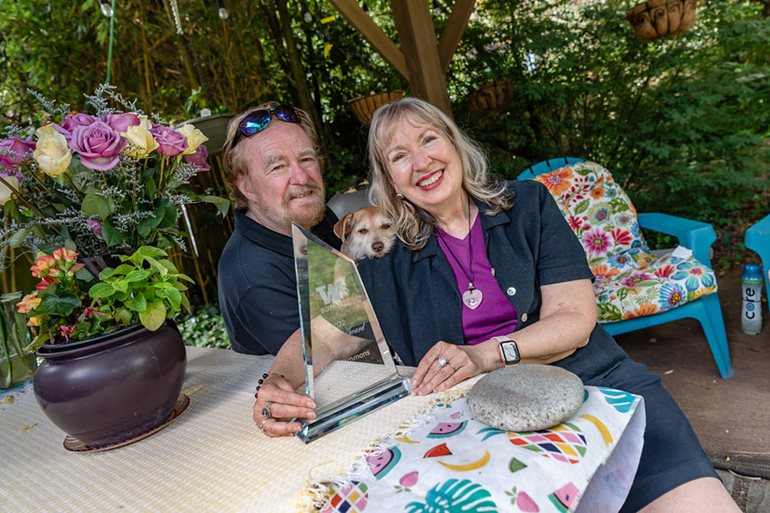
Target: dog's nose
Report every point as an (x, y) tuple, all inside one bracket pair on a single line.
[(378, 246)]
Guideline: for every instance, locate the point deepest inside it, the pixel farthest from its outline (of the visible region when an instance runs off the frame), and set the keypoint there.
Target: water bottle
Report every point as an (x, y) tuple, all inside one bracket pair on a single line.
[(751, 286)]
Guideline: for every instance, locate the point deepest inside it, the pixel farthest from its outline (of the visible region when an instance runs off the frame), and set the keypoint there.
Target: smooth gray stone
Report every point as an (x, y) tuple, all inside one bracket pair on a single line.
[(527, 397)]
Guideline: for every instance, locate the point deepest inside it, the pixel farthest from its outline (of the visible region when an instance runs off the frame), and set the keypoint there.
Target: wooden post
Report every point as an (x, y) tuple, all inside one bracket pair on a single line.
[(414, 23)]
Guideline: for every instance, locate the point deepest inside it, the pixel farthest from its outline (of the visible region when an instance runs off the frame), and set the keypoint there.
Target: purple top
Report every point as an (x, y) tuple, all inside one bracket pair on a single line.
[(495, 315)]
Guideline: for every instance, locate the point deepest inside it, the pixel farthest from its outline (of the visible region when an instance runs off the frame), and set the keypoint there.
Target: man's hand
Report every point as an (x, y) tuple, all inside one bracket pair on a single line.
[(277, 403)]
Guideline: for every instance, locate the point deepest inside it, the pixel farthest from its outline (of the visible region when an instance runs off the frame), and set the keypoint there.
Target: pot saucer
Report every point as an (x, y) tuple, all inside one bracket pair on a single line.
[(73, 444)]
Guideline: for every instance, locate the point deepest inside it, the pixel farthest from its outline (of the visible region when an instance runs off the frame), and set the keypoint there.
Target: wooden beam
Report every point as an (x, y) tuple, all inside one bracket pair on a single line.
[(453, 31), (418, 45), (373, 34)]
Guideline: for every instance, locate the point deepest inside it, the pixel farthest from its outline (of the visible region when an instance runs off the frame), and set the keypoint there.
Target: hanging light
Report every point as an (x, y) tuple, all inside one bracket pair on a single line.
[(223, 14), (106, 7)]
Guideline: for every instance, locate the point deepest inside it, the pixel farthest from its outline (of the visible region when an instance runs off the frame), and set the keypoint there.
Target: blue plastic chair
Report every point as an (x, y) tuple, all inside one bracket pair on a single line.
[(757, 239), (694, 235)]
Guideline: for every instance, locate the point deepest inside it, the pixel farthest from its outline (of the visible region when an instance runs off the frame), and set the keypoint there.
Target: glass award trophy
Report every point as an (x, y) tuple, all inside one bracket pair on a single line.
[(349, 370)]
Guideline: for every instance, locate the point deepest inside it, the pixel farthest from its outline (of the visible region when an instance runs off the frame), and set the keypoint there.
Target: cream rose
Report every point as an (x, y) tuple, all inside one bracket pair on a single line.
[(194, 138), (52, 153), (140, 142), (5, 192)]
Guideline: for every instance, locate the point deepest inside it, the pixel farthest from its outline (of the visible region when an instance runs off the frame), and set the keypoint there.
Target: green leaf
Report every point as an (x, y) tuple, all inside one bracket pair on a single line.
[(222, 204), (146, 225), (96, 205), (58, 305), (150, 251), (174, 297), (170, 216), (120, 285), (169, 265), (138, 303), (153, 316), (111, 236), (150, 186), (17, 239), (106, 273), (101, 291), (137, 275)]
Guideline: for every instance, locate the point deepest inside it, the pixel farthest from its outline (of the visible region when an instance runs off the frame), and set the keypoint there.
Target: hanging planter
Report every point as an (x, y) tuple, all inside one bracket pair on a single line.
[(364, 106), (498, 95), (660, 18)]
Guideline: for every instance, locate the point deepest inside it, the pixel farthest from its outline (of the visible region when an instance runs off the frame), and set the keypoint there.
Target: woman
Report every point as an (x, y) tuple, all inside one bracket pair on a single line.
[(487, 275)]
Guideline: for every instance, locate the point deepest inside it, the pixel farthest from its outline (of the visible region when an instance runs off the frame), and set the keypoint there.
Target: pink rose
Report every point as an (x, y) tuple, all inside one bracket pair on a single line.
[(199, 158), (98, 145), (171, 142), (13, 150), (121, 121), (72, 121)]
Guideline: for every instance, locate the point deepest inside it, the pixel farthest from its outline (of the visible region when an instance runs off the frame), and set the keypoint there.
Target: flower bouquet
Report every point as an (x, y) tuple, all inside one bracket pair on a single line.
[(106, 182)]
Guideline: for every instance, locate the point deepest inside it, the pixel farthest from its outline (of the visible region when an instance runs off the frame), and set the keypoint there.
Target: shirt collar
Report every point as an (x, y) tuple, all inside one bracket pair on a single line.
[(278, 242)]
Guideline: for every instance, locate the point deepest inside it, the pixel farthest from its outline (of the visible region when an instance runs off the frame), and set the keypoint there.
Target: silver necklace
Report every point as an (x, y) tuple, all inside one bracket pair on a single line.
[(472, 297)]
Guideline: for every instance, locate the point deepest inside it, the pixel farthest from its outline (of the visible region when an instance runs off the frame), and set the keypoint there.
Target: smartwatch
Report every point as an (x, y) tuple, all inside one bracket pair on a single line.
[(509, 351)]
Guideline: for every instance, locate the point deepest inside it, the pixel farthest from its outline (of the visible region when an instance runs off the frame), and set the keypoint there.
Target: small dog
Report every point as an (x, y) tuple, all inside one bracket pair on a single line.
[(367, 232)]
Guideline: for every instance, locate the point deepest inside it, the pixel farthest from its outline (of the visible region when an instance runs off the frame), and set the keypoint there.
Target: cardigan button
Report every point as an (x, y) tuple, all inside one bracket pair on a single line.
[(511, 291), (524, 317), (493, 271)]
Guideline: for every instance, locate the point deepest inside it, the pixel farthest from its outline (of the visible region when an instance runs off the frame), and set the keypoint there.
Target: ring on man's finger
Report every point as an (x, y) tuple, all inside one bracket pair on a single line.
[(266, 410), (441, 362)]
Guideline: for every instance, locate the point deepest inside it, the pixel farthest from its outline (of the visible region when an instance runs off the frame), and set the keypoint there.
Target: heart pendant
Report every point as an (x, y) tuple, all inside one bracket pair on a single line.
[(472, 298)]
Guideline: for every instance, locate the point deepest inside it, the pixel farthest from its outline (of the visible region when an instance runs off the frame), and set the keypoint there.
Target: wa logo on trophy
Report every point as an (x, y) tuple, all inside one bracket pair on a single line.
[(349, 370)]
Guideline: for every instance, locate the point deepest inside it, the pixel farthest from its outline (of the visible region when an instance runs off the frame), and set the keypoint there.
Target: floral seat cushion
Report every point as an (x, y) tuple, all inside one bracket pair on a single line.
[(630, 280)]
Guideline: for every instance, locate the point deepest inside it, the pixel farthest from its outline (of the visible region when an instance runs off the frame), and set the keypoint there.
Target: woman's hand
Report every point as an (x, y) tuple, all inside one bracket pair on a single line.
[(277, 403), (445, 365)]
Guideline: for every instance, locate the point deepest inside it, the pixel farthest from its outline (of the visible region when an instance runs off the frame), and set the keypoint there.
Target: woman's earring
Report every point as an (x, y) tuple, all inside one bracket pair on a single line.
[(399, 195)]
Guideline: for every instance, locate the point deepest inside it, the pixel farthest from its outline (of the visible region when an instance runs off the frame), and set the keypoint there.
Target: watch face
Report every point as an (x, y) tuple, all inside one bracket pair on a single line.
[(510, 352)]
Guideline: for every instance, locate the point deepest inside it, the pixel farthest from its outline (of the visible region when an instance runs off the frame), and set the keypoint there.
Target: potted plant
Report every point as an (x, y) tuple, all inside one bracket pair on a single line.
[(104, 183), (113, 360), (17, 363)]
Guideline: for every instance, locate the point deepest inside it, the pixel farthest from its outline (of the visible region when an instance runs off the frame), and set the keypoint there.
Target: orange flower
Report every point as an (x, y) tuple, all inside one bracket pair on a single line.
[(42, 267), (558, 181), (597, 193), (28, 303), (641, 311), (604, 270), (65, 254), (33, 322)]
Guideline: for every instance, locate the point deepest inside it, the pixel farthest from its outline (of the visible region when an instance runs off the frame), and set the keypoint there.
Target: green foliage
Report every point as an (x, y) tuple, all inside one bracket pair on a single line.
[(205, 328), (145, 289)]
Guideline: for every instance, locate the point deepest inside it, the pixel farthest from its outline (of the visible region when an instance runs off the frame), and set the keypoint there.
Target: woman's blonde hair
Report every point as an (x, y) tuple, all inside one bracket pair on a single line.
[(415, 225)]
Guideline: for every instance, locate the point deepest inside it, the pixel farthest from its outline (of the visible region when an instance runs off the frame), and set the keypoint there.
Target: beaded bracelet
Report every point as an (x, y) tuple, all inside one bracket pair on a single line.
[(262, 381)]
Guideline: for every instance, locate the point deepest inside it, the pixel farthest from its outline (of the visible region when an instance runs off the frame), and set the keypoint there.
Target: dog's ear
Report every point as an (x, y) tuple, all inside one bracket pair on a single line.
[(343, 227)]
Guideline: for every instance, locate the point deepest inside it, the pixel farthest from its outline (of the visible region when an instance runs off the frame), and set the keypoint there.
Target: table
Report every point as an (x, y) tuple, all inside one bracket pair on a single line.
[(211, 458)]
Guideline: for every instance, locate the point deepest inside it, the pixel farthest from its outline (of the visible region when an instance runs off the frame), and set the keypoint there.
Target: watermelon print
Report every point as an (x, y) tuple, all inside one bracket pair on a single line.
[(447, 429), (351, 499), (630, 281), (565, 498), (381, 462), (455, 496), (438, 450)]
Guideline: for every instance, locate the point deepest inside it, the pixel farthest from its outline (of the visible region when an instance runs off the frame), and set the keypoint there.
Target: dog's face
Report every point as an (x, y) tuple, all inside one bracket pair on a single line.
[(367, 232)]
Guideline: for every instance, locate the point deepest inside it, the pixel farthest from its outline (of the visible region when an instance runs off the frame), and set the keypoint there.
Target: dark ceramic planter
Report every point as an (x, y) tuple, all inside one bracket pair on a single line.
[(113, 388)]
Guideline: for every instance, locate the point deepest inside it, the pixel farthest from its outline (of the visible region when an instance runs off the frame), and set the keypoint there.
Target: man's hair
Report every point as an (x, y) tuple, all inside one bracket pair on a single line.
[(234, 158), (414, 224)]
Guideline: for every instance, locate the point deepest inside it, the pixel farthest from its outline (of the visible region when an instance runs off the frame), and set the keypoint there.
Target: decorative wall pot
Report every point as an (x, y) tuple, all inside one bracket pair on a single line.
[(660, 18), (110, 389), (16, 365), (493, 96), (364, 106)]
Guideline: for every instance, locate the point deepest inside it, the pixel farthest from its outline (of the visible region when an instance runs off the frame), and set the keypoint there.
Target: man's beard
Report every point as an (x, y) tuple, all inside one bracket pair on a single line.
[(309, 214)]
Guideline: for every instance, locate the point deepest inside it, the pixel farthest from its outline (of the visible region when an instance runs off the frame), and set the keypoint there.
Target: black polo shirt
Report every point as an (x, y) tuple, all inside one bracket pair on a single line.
[(257, 284)]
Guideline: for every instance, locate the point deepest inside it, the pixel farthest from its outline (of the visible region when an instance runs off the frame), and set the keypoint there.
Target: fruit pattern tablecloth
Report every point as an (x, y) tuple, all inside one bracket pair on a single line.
[(453, 463)]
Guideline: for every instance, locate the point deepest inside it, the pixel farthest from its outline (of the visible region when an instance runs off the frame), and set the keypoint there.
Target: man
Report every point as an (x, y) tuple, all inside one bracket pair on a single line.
[(273, 166)]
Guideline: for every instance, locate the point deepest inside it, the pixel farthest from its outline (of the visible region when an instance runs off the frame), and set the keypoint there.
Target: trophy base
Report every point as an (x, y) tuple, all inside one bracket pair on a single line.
[(340, 413)]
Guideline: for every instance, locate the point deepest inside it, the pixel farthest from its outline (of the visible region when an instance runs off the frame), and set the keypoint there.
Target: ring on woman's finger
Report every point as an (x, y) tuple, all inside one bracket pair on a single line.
[(453, 367), (262, 424), (266, 410), (441, 362)]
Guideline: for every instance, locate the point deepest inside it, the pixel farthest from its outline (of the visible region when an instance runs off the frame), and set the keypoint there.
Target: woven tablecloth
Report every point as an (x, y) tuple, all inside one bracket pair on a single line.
[(211, 458)]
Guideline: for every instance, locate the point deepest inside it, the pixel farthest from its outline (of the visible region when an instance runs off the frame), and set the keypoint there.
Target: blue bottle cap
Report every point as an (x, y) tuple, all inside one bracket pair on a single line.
[(752, 270)]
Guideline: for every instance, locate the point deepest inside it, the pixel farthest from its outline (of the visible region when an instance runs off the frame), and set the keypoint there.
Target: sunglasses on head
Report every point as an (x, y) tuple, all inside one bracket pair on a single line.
[(258, 120)]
